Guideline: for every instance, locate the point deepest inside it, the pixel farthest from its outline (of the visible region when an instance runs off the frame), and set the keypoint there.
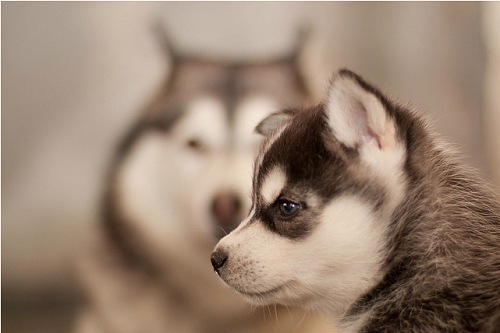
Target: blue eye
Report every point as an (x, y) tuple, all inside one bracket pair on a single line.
[(288, 208)]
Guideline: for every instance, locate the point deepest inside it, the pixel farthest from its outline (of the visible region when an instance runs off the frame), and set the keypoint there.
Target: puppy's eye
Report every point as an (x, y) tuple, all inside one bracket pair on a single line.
[(288, 208)]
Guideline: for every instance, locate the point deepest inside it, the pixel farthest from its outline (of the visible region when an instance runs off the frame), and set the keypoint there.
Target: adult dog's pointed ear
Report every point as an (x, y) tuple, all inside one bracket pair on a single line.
[(357, 113), (274, 121), (164, 41)]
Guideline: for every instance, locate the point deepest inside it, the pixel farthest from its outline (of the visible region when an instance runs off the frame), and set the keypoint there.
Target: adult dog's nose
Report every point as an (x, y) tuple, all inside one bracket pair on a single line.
[(218, 259), (227, 210)]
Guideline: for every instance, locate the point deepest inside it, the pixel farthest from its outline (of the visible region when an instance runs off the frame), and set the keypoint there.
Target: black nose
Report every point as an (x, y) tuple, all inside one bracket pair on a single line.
[(218, 259)]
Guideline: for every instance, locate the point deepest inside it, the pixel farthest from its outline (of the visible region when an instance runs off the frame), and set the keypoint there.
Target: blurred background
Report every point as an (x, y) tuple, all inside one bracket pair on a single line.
[(75, 74)]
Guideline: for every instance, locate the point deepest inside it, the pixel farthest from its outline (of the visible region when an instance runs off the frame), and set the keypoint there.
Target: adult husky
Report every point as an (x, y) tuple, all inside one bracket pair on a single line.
[(360, 212), (179, 181)]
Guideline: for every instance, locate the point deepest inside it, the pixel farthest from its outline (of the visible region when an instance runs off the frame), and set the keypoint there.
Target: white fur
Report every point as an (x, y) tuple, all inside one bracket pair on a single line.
[(272, 184), (142, 182), (205, 120)]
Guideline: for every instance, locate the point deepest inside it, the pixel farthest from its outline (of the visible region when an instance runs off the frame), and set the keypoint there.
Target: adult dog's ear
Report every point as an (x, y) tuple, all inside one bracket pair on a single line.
[(357, 113), (274, 121), (165, 42)]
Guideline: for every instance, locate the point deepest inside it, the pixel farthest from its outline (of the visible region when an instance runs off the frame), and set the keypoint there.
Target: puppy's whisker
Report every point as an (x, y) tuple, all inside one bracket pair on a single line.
[(225, 232), (291, 317), (288, 309), (300, 322), (252, 309)]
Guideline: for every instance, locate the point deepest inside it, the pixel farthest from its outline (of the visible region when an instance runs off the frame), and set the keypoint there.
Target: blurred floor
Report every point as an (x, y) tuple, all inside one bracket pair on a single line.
[(53, 318), (51, 313)]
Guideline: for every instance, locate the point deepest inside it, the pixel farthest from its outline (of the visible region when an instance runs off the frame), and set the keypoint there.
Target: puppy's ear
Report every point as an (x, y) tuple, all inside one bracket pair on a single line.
[(274, 121), (356, 113)]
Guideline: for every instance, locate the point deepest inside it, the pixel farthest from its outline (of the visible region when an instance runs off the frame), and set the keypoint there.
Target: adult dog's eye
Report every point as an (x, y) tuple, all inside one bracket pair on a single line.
[(195, 144), (288, 208)]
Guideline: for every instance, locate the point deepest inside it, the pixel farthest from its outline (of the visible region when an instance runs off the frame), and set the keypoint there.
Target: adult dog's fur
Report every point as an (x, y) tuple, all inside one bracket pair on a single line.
[(359, 211), (179, 180)]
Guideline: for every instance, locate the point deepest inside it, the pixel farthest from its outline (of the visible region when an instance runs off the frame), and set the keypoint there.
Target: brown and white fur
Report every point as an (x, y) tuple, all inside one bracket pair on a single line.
[(360, 212), (179, 180)]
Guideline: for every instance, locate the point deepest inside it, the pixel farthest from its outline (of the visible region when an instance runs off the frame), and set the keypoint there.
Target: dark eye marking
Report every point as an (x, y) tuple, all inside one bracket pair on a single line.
[(287, 208)]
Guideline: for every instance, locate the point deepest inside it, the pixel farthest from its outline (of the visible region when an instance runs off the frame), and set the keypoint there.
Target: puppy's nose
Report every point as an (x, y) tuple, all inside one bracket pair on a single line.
[(218, 259), (226, 209)]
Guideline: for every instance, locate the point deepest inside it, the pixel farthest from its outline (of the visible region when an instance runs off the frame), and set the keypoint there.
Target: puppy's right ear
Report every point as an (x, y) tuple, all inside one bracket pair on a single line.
[(357, 113), (274, 121)]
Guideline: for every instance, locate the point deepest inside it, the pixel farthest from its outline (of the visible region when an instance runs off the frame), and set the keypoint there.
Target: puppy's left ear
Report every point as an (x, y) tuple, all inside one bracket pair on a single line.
[(274, 121), (357, 115)]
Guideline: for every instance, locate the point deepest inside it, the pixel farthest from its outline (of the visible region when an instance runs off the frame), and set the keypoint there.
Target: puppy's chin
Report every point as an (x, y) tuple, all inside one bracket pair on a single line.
[(281, 294), (259, 300)]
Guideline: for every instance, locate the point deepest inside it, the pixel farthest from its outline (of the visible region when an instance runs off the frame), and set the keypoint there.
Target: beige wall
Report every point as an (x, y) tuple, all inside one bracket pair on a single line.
[(74, 74), (491, 29)]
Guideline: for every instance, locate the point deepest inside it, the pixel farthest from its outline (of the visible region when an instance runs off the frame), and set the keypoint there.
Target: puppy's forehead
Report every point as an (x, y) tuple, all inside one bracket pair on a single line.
[(298, 149)]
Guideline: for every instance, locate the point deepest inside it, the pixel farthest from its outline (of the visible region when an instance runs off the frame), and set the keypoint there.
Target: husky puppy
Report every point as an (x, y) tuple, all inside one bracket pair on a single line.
[(360, 212), (180, 180)]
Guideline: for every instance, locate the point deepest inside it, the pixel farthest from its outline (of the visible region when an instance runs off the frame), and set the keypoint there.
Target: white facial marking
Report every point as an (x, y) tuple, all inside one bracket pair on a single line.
[(272, 184), (142, 182), (205, 120)]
